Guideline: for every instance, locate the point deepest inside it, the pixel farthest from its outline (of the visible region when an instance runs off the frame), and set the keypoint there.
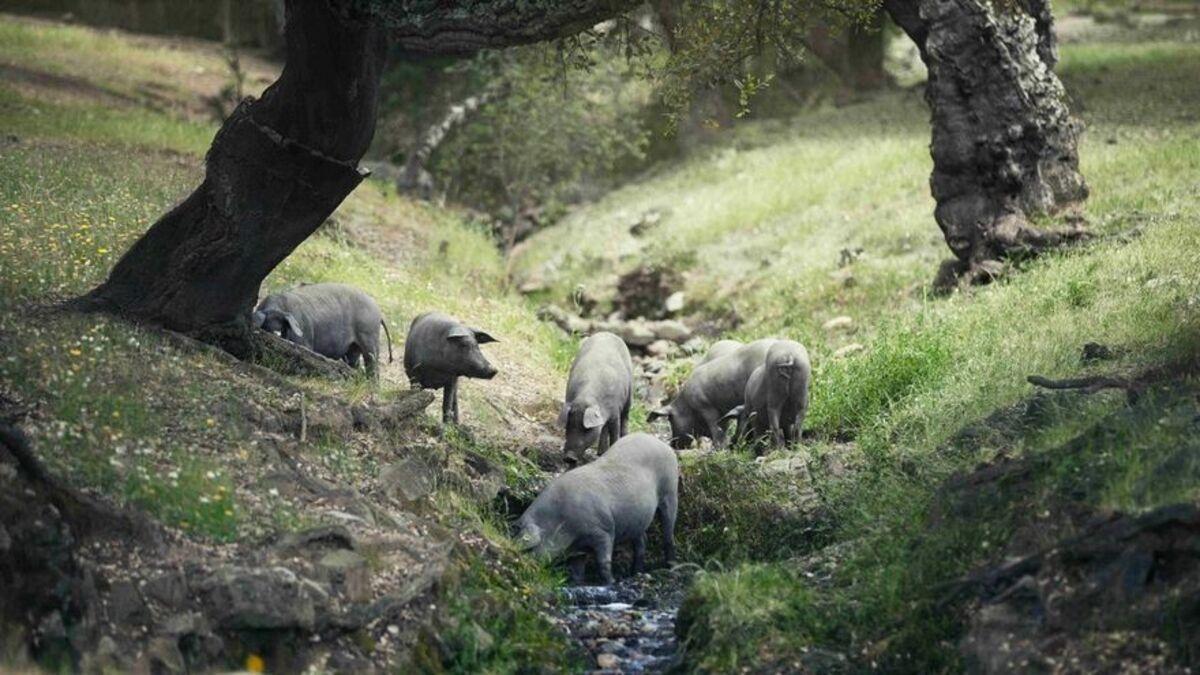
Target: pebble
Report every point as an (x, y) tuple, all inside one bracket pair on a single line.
[(623, 629), (838, 323), (849, 349)]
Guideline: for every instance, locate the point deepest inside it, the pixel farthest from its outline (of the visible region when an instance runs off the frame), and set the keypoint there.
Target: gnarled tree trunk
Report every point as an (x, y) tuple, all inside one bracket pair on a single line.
[(1004, 143), (276, 170), (281, 164)]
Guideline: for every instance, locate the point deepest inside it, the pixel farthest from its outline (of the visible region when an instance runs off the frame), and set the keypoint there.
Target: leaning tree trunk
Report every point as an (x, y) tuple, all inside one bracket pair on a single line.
[(277, 168), (281, 164), (1004, 143)]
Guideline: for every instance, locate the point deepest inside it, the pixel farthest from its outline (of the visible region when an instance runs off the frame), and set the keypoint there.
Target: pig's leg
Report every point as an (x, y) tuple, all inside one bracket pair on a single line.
[(639, 554), (612, 430), (603, 441), (623, 427), (602, 546), (715, 430), (455, 400), (352, 356), (776, 429), (801, 413), (575, 568), (371, 363), (448, 395), (667, 510)]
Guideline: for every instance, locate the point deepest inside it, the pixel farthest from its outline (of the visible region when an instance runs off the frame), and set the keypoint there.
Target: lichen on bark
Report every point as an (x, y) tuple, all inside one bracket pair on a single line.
[(1005, 145)]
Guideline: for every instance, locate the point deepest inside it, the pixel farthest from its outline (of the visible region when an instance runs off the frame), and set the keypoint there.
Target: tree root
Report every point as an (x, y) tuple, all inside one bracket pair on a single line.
[(87, 516), (1090, 385), (283, 356), (991, 259), (292, 359)]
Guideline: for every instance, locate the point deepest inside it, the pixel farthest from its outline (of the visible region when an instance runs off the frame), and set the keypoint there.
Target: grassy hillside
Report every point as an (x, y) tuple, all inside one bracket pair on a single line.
[(103, 132), (756, 226), (932, 457)]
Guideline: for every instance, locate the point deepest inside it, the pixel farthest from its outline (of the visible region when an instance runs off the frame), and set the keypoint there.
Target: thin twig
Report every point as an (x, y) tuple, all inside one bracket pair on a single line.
[(303, 420)]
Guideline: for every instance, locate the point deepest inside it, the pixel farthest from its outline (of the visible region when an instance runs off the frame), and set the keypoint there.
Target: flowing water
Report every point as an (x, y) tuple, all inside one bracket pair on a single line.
[(628, 627)]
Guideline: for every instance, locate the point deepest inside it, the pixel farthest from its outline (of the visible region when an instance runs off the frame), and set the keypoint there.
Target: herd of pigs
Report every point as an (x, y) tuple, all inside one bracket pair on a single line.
[(762, 386)]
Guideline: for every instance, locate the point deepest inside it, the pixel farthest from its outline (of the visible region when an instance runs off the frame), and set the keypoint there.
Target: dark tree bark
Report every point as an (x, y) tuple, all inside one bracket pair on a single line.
[(280, 165), (276, 170), (1004, 143)]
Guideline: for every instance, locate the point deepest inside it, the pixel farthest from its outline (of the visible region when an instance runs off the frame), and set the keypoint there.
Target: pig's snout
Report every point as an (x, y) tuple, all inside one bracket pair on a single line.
[(488, 372)]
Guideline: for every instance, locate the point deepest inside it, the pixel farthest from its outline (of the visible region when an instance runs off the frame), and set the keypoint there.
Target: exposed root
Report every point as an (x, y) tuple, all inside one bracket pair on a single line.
[(990, 260), (86, 515), (292, 359), (1090, 385)]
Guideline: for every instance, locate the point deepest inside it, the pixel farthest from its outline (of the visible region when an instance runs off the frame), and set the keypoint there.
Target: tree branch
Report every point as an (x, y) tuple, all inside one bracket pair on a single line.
[(440, 27)]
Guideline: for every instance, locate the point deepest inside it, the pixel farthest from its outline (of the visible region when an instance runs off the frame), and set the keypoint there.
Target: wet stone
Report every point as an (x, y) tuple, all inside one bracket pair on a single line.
[(622, 626)]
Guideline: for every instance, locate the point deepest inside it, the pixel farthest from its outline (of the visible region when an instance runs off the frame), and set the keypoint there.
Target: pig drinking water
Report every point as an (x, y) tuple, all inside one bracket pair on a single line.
[(713, 390), (334, 320), (605, 503), (599, 394), (440, 349), (776, 397)]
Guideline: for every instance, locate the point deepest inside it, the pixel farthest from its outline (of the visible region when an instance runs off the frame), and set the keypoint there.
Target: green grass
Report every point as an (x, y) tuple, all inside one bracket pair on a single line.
[(493, 607), (103, 427), (27, 117), (759, 221), (757, 224), (731, 512), (125, 412)]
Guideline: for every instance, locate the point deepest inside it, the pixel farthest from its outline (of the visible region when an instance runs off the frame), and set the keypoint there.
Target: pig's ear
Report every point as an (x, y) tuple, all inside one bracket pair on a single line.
[(562, 416), (655, 414), (733, 414), (482, 337), (458, 333), (293, 325), (592, 417)]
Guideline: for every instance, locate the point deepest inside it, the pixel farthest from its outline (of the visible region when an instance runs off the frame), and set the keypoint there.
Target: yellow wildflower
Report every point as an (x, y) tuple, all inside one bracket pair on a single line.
[(255, 664)]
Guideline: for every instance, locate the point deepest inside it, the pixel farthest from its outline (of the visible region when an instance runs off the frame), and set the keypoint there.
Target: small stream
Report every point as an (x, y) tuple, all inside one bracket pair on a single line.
[(628, 627)]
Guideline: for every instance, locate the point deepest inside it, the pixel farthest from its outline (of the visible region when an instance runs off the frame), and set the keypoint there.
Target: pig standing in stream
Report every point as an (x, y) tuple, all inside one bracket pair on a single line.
[(599, 394), (333, 320), (438, 350), (608, 502), (713, 390), (776, 396)]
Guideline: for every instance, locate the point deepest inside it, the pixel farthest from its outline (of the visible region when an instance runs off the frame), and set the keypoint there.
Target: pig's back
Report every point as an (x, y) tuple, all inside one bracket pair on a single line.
[(603, 361), (720, 348), (649, 458), (721, 383), (792, 357)]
